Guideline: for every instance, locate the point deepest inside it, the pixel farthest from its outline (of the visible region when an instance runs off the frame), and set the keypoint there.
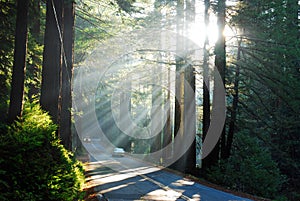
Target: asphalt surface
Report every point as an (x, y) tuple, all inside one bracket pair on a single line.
[(126, 178)]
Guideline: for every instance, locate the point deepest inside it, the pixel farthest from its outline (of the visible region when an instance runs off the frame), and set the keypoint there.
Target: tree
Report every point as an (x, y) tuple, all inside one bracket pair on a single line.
[(67, 74), (220, 65), (190, 119), (206, 84), (157, 98), (156, 108), (269, 80), (234, 108), (179, 84), (18, 76), (220, 61), (189, 96), (185, 110), (52, 62)]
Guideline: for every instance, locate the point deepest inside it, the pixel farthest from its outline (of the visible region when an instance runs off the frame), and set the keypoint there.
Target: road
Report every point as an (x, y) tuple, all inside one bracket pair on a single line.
[(125, 178)]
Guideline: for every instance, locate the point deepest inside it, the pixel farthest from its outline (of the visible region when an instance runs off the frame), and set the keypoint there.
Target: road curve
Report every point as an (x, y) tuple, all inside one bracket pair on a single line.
[(124, 178)]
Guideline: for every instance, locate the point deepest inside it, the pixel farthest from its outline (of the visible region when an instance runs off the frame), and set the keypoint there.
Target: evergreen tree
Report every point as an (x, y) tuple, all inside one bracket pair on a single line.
[(52, 59), (18, 74)]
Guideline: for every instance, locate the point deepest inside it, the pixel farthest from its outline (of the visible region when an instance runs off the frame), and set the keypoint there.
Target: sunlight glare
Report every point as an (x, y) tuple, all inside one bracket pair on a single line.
[(198, 32)]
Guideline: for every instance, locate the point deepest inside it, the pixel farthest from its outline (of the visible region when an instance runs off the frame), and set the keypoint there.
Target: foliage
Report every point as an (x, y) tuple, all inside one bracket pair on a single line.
[(34, 68), (269, 82), (7, 29), (34, 165), (250, 168), (95, 22)]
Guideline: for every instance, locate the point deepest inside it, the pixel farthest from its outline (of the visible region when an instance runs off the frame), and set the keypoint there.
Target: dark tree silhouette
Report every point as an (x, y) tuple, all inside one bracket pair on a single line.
[(206, 84), (18, 76), (52, 61), (67, 74)]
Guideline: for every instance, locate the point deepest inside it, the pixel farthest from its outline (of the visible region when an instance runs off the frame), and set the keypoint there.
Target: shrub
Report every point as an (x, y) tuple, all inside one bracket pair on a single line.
[(250, 169), (34, 165)]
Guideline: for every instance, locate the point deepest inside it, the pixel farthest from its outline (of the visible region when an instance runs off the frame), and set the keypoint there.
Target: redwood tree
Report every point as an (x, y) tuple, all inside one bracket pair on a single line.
[(18, 76), (52, 60), (67, 74), (206, 85)]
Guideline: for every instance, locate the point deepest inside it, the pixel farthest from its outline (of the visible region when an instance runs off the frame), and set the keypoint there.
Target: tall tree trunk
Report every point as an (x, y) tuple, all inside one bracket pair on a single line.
[(36, 20), (125, 111), (167, 138), (232, 122), (206, 85), (157, 96), (52, 59), (185, 109), (220, 60), (190, 105), (18, 76), (156, 118), (220, 63), (190, 120), (179, 84), (67, 74)]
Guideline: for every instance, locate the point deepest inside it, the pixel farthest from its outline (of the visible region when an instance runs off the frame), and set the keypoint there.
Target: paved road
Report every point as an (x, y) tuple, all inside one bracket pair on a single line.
[(125, 178)]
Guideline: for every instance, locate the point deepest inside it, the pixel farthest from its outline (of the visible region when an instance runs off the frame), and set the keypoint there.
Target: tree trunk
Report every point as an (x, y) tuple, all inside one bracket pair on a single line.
[(156, 108), (231, 128), (220, 63), (36, 21), (179, 84), (190, 120), (67, 75), (52, 60), (206, 85), (18, 76), (189, 98), (185, 110), (167, 138), (157, 97), (125, 112)]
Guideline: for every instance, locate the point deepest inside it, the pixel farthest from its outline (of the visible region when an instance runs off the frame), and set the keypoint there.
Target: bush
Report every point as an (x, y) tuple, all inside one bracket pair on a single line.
[(34, 165), (250, 169)]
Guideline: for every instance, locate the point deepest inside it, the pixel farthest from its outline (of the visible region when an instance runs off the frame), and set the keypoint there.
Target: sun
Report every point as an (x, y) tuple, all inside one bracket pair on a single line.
[(198, 32)]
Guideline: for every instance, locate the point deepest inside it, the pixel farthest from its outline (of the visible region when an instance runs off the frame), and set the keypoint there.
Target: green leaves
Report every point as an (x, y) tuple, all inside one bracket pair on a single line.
[(269, 104), (250, 164), (34, 165)]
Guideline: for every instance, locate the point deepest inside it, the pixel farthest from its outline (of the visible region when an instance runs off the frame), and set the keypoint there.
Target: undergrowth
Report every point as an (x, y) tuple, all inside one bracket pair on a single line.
[(34, 165)]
